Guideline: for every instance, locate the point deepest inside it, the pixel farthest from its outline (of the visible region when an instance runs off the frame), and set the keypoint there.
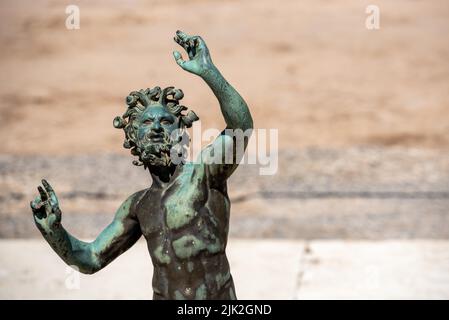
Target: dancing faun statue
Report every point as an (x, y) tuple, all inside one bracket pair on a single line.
[(184, 214)]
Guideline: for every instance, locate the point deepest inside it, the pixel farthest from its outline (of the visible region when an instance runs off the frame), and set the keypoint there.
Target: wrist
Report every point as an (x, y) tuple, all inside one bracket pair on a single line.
[(49, 227), (210, 73)]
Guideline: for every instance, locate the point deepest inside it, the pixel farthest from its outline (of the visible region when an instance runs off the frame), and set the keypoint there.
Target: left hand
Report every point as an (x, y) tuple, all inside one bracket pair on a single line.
[(199, 58), (45, 207)]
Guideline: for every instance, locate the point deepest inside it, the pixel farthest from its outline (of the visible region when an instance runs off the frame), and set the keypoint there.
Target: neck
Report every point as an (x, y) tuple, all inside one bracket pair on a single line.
[(162, 174)]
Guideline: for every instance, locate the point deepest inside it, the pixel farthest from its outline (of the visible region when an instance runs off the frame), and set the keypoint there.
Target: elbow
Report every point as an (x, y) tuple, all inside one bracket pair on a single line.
[(249, 121), (245, 123), (248, 125), (84, 269), (87, 262), (242, 122), (89, 270)]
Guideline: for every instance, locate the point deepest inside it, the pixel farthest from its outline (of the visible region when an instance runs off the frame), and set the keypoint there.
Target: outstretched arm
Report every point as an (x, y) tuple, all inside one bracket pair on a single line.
[(88, 257), (234, 109)]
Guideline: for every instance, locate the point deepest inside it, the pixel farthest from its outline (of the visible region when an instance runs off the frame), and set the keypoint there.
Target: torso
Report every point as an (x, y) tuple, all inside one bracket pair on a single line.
[(186, 226)]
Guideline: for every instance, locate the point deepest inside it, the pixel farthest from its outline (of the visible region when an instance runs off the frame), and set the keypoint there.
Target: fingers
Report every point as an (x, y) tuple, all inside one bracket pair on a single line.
[(35, 203), (42, 193), (47, 186), (50, 191), (178, 58), (182, 35), (199, 43), (186, 41), (46, 202), (181, 42), (42, 200), (36, 207)]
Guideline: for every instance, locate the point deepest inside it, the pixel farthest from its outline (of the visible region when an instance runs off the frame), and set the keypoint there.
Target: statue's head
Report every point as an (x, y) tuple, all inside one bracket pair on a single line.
[(154, 123)]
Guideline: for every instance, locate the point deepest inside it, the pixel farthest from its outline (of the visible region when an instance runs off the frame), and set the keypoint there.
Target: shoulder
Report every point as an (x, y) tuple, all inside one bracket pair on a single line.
[(127, 208), (213, 175), (216, 152)]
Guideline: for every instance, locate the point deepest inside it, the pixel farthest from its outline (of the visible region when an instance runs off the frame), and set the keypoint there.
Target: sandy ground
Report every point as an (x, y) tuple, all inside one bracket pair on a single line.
[(262, 269), (309, 68)]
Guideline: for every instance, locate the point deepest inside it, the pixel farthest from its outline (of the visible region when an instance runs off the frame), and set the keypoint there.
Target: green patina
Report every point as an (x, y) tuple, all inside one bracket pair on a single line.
[(188, 246), (174, 202), (179, 295), (201, 292), (213, 243), (232, 294), (180, 210), (161, 255), (221, 279), (101, 244)]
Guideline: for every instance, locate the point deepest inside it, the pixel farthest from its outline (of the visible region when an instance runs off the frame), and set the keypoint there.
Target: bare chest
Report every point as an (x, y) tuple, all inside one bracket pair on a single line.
[(184, 220)]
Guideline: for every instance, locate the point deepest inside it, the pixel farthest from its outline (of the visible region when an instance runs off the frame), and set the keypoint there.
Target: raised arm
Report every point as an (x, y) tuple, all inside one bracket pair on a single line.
[(88, 257), (234, 109)]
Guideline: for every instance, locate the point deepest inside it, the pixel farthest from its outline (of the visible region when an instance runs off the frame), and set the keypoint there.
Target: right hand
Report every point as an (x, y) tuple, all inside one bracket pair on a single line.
[(199, 57), (45, 207)]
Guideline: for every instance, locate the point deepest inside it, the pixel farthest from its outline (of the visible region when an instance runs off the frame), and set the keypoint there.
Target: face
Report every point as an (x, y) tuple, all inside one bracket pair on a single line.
[(155, 126), (155, 122)]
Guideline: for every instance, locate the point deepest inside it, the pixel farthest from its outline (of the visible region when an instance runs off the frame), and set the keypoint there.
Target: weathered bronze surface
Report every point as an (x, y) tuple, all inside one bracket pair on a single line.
[(184, 215)]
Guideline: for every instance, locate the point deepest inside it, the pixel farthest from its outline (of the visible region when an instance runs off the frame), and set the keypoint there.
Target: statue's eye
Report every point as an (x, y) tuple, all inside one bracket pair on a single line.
[(166, 122), (148, 121)]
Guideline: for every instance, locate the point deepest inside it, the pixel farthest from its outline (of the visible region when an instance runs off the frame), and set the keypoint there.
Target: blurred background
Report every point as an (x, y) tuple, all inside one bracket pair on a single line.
[(359, 207)]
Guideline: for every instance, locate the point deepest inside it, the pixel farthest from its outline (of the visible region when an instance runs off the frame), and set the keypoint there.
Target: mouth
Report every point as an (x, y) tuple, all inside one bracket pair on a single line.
[(157, 138)]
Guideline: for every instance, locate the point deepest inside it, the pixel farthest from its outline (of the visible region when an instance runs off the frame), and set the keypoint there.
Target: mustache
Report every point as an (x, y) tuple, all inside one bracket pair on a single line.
[(156, 147), (165, 138), (155, 152), (152, 134)]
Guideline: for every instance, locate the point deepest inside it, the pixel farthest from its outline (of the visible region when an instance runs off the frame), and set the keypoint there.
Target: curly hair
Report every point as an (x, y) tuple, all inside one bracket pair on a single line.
[(138, 101)]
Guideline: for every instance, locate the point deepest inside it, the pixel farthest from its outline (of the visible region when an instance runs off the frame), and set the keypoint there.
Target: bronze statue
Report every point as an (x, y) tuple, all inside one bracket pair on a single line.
[(184, 215)]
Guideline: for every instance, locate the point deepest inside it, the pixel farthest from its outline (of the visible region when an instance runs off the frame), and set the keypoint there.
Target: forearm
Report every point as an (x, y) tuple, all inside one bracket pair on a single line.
[(234, 109), (71, 250), (116, 238)]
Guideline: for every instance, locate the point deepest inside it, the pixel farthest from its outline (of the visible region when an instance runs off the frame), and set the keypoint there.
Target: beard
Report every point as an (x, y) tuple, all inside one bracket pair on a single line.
[(155, 153)]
